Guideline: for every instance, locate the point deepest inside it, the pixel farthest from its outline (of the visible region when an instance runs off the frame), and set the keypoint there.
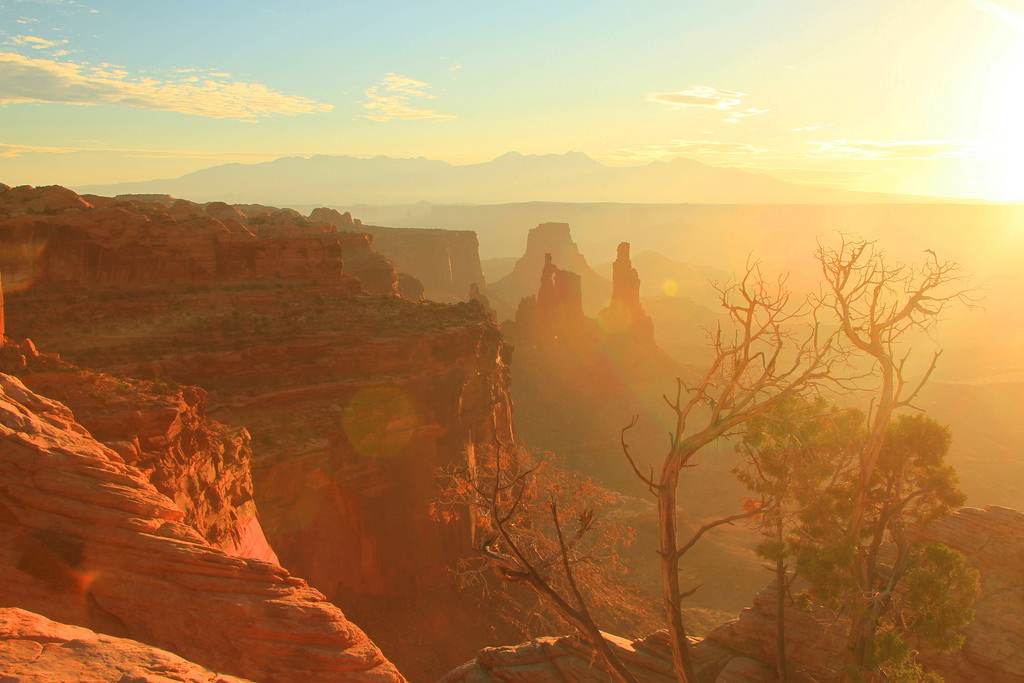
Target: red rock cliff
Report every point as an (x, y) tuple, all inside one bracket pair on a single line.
[(85, 539), (202, 465)]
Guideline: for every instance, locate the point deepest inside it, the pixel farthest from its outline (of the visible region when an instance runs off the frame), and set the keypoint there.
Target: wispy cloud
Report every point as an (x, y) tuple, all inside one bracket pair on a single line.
[(397, 97), (707, 97), (12, 150), (738, 115), (699, 96), (811, 127), (25, 79), (888, 150), (717, 151), (36, 42)]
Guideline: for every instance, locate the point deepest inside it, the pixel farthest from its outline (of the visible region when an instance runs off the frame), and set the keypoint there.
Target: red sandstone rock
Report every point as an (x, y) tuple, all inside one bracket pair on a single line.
[(202, 465), (34, 649), (553, 239), (52, 236), (624, 314), (50, 199), (86, 540)]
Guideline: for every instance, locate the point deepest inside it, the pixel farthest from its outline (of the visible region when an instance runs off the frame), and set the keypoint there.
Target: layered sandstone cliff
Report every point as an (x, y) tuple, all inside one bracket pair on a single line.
[(85, 539), (34, 649), (202, 465), (54, 237)]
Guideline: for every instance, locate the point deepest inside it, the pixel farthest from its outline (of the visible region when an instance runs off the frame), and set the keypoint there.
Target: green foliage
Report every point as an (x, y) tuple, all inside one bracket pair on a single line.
[(939, 592), (802, 461), (897, 661)]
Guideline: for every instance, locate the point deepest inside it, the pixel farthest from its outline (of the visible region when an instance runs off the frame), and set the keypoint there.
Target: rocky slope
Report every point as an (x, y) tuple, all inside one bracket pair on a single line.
[(34, 649), (85, 539)]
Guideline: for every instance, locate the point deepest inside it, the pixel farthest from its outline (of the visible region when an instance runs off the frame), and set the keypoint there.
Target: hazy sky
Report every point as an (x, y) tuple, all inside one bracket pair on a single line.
[(911, 96)]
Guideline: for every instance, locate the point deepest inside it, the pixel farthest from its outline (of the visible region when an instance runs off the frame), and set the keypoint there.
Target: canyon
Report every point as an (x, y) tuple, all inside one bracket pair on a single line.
[(201, 403)]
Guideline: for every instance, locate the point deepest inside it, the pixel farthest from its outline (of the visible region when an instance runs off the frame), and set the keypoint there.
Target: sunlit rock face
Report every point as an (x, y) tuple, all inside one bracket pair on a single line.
[(52, 236), (546, 239), (86, 539), (34, 648), (202, 465)]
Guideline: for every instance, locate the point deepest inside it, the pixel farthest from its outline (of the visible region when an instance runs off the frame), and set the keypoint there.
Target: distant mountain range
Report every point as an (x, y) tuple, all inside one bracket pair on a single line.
[(512, 177)]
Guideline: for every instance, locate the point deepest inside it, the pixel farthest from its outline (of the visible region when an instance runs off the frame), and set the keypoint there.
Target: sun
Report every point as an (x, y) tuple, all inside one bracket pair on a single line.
[(1000, 146)]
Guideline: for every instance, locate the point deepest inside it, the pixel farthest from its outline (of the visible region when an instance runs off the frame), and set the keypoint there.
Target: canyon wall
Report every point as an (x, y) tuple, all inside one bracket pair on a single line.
[(354, 403), (54, 237), (85, 539)]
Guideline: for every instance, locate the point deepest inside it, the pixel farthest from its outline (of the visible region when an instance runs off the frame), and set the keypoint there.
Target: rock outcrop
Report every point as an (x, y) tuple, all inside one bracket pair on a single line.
[(34, 649), (624, 315), (202, 465), (446, 262), (557, 309), (554, 240), (52, 236), (556, 660), (85, 539)]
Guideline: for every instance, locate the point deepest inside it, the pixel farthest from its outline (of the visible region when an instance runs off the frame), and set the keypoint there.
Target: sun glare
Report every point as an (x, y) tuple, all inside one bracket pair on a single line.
[(1001, 134)]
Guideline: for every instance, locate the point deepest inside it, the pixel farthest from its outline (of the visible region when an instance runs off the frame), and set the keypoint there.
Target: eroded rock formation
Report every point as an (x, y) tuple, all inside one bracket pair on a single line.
[(557, 309), (354, 402), (546, 239), (85, 539), (624, 315)]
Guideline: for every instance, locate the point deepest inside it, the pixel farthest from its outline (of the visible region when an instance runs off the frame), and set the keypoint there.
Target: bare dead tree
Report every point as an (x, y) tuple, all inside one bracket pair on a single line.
[(547, 529), (769, 350), (879, 306), (517, 565)]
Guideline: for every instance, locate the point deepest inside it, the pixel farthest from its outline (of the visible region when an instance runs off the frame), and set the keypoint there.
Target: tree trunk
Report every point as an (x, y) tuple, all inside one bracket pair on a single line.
[(670, 574), (780, 604)]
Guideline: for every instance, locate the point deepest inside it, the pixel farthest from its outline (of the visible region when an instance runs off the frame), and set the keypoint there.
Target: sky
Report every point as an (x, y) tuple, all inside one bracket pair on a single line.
[(919, 96)]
